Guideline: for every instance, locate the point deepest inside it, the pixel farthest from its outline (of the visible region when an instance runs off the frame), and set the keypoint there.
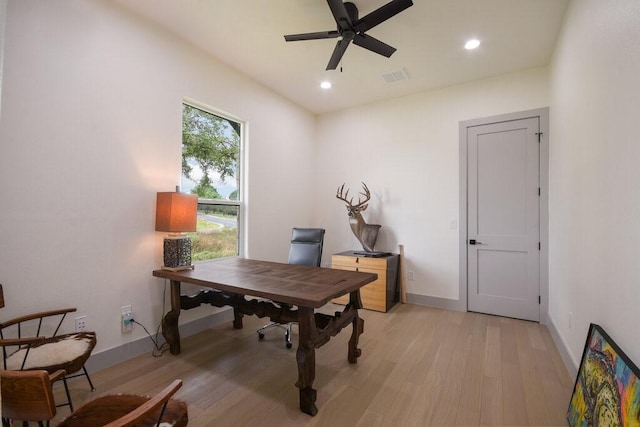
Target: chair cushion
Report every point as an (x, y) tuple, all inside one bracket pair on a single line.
[(68, 352), (307, 235), (305, 254), (109, 408), (306, 246)]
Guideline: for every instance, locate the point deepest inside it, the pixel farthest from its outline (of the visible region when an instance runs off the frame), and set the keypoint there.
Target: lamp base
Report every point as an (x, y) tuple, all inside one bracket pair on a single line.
[(184, 267), (177, 253)]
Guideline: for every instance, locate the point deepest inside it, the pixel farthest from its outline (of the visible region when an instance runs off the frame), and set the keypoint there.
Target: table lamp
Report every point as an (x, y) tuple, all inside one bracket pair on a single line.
[(176, 213)]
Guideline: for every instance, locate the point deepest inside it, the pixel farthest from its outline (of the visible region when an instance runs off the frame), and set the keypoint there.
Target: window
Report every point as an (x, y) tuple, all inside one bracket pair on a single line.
[(211, 161)]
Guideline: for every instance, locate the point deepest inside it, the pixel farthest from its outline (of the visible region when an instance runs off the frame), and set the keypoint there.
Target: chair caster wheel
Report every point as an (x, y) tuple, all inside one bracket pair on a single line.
[(260, 337), (289, 345)]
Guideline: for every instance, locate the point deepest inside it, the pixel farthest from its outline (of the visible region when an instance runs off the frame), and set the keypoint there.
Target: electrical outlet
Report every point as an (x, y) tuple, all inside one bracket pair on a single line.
[(570, 320), (410, 275), (81, 323), (126, 317)]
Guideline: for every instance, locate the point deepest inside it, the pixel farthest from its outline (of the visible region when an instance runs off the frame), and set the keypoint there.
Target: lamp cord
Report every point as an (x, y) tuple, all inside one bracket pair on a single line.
[(158, 350)]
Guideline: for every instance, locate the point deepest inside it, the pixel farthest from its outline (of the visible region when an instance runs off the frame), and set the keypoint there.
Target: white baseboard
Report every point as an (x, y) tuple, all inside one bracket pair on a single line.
[(449, 304), (563, 349), (132, 349)]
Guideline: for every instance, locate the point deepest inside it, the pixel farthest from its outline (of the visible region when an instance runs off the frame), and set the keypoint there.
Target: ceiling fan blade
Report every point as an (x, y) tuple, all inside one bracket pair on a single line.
[(381, 14), (312, 36), (374, 45), (340, 14), (338, 51)]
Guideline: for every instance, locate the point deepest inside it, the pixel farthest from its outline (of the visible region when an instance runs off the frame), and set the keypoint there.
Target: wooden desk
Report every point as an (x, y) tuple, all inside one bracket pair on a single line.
[(307, 288)]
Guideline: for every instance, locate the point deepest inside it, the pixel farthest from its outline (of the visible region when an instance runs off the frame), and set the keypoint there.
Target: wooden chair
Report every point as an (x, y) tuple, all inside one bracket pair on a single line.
[(27, 396), (52, 353), (124, 410)]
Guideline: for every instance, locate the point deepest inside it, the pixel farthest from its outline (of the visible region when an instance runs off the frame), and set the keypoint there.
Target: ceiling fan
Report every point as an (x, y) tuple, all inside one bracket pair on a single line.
[(352, 29)]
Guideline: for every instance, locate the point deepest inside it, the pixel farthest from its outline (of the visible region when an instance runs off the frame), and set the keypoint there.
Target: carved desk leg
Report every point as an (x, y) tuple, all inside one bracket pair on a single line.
[(237, 318), (170, 329), (306, 357), (358, 327)]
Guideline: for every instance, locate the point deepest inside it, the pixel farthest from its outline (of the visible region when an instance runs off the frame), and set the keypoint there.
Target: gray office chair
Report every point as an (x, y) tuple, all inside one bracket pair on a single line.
[(306, 249)]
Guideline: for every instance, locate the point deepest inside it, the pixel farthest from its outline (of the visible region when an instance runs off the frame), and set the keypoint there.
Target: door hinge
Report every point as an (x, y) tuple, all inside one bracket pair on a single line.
[(539, 300), (539, 191), (539, 136), (539, 246)]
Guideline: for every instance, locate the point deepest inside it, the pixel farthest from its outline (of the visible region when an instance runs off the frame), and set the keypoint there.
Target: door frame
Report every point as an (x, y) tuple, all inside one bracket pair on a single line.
[(543, 115)]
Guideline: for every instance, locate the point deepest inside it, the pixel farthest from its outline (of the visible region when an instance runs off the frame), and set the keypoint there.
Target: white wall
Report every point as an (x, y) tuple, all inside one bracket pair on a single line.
[(3, 12), (594, 174), (407, 152), (91, 130)]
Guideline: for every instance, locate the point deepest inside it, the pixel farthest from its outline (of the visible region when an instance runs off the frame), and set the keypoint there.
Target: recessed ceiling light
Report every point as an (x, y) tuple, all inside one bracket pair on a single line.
[(325, 85), (472, 44)]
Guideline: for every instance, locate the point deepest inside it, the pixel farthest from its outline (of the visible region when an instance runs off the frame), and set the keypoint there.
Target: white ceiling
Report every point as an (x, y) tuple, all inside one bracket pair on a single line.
[(429, 38)]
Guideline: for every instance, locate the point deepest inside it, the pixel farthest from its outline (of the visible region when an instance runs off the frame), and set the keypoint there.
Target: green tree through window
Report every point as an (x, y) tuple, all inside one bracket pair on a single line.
[(211, 147)]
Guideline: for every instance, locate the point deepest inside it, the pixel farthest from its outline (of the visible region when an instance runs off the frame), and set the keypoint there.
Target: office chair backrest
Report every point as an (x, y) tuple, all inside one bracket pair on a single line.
[(306, 246)]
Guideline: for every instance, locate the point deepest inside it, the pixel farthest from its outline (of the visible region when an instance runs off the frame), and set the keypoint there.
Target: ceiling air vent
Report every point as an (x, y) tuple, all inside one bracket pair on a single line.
[(396, 76)]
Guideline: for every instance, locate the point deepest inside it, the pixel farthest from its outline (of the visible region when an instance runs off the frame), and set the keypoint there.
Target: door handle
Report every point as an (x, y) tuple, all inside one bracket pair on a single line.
[(475, 242)]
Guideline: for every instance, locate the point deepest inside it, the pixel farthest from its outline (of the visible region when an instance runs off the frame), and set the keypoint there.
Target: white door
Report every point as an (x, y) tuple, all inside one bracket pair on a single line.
[(503, 230)]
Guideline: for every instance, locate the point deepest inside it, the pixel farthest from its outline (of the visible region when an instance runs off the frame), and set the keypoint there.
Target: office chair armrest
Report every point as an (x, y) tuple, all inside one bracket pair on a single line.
[(34, 316)]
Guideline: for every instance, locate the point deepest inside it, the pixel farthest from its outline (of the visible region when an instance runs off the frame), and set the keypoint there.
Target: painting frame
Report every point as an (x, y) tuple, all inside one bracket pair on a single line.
[(607, 387)]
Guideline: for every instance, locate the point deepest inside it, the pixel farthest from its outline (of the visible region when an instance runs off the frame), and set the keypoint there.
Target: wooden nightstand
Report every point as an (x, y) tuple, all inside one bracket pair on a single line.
[(379, 295)]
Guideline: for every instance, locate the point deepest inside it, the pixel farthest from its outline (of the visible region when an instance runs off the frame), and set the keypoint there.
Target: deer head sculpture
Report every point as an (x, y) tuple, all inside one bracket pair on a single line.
[(365, 233)]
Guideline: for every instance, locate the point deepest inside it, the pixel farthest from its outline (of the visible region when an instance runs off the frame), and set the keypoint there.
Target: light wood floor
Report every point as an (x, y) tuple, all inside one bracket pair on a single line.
[(420, 366)]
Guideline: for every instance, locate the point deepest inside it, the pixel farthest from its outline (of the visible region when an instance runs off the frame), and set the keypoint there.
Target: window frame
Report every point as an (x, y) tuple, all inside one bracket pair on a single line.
[(241, 173)]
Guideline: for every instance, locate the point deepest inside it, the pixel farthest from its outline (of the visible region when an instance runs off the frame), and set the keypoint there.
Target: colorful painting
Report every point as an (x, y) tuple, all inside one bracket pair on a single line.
[(607, 389)]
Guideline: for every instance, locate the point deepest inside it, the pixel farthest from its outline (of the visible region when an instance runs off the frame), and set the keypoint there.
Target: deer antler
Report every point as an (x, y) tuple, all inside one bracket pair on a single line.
[(342, 197), (366, 194)]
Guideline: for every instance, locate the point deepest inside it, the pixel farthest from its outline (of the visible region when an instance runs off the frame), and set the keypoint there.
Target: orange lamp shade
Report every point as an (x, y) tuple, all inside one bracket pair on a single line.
[(176, 212)]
